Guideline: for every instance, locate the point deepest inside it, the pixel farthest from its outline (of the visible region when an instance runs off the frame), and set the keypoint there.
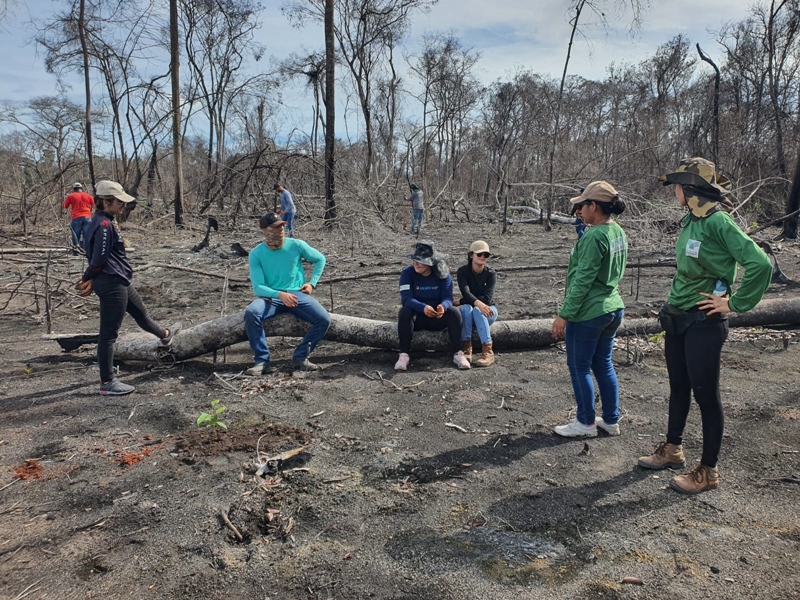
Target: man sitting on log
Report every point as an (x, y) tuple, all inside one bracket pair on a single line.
[(279, 283)]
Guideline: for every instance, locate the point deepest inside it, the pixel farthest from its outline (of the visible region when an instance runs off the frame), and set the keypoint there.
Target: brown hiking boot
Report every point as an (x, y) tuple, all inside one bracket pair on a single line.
[(665, 456), (487, 356), (699, 479), (466, 348)]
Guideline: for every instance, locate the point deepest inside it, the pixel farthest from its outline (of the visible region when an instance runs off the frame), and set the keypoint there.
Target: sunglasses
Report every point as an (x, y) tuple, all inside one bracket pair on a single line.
[(483, 254), (580, 205)]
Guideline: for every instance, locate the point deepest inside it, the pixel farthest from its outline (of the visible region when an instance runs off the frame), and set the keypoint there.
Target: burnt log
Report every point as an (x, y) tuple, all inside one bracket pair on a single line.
[(506, 335)]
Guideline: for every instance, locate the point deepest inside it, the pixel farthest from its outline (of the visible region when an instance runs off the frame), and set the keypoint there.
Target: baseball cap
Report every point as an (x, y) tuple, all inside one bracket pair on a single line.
[(270, 219), (114, 189)]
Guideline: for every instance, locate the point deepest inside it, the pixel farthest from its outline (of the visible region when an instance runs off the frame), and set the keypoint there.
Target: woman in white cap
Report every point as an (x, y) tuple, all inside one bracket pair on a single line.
[(593, 309), (477, 281), (109, 275)]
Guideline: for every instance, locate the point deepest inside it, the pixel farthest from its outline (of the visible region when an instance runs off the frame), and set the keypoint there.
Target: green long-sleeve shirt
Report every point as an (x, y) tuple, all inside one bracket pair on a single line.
[(709, 249), (274, 271), (596, 265)]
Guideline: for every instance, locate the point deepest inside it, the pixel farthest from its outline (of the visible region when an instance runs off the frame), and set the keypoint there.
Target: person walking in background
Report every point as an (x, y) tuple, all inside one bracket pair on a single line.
[(593, 309), (109, 275), (287, 209), (80, 204), (695, 322), (426, 296), (417, 208), (476, 281), (279, 283)]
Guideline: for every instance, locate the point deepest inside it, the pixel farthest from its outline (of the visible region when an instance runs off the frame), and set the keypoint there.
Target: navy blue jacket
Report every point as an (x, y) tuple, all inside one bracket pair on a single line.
[(105, 249), (417, 291)]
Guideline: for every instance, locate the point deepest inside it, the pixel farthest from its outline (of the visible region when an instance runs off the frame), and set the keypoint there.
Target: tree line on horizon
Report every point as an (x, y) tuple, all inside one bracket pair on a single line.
[(425, 118)]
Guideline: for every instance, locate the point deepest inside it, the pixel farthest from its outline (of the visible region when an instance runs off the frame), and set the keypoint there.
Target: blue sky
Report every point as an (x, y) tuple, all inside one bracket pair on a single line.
[(509, 34)]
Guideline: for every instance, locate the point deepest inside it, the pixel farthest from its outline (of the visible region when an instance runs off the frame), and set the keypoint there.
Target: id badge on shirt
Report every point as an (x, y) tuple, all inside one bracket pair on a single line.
[(693, 248)]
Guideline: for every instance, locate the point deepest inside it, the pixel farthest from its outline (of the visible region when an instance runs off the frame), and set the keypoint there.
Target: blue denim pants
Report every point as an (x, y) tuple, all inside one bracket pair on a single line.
[(589, 346), (473, 316), (417, 215), (289, 218), (79, 227), (307, 309)]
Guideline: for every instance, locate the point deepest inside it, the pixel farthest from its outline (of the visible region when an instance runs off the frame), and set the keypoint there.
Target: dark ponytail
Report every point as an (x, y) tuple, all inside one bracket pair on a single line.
[(615, 207)]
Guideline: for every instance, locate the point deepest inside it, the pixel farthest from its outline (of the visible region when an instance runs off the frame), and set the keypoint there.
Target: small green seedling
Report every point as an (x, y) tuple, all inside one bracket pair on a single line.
[(212, 419), (659, 337)]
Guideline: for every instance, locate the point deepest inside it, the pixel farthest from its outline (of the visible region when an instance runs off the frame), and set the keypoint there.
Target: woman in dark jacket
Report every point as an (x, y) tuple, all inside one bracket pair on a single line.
[(109, 275), (477, 281)]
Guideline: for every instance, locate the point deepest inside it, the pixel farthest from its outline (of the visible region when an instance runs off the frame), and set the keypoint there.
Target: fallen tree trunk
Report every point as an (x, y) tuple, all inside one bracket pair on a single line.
[(555, 218), (31, 250), (506, 335)]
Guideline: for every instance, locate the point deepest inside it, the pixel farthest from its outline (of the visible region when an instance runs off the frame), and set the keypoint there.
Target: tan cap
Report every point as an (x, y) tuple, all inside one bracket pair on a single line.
[(112, 188), (599, 191), (479, 246)]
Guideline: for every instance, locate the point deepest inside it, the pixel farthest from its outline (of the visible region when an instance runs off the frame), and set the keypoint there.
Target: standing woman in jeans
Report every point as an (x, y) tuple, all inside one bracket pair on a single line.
[(593, 310), (109, 275), (695, 323)]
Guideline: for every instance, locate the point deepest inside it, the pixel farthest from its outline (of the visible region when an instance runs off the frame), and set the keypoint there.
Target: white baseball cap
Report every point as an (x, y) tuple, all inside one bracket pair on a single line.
[(112, 188)]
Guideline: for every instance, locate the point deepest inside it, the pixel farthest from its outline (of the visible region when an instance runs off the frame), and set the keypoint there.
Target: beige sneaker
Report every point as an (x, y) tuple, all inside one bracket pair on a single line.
[(699, 479), (460, 361), (402, 362), (665, 456)]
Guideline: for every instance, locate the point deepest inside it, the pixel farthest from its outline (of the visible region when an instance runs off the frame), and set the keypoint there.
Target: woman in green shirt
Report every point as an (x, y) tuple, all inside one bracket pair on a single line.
[(593, 310), (709, 248)]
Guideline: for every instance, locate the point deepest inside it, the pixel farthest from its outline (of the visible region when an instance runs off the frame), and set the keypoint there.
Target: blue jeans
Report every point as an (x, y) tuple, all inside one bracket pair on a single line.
[(79, 227), (289, 218), (307, 309), (472, 316), (589, 346), (416, 218)]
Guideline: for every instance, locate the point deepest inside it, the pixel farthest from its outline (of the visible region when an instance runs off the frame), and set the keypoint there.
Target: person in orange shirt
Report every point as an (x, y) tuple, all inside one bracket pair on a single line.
[(81, 205)]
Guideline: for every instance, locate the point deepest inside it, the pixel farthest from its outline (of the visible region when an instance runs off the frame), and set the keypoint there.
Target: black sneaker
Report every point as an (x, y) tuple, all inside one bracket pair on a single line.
[(173, 329), (115, 388), (304, 365)]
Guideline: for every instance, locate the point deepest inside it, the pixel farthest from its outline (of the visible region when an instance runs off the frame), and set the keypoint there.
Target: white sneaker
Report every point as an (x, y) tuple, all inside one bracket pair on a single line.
[(256, 370), (609, 429), (576, 429), (402, 362), (461, 361)]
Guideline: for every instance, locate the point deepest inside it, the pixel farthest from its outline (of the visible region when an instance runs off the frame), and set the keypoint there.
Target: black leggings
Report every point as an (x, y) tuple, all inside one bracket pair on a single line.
[(693, 363), (117, 298), (409, 321)]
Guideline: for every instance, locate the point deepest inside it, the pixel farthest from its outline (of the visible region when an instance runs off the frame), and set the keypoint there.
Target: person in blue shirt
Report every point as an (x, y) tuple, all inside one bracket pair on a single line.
[(287, 209), (426, 297)]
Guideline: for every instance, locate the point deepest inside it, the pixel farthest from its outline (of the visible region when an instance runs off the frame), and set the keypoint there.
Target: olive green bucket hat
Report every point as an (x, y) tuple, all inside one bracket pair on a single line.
[(701, 174)]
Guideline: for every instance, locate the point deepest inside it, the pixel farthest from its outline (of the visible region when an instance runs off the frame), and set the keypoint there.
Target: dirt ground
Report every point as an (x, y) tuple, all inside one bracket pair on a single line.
[(430, 484)]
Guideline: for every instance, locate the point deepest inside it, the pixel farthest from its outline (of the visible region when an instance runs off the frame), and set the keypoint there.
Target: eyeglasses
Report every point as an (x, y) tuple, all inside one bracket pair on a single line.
[(483, 254)]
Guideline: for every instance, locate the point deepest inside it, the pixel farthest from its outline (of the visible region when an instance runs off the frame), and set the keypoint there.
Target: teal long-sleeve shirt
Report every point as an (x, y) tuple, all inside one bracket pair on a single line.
[(596, 265), (275, 271), (709, 249)]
